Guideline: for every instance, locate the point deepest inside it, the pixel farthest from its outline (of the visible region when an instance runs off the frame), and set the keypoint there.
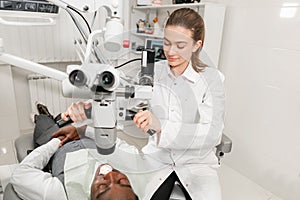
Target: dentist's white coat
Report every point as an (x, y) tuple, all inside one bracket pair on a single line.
[(191, 110)]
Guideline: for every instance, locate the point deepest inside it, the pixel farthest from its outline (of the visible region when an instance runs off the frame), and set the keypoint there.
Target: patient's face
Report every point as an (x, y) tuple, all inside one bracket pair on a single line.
[(112, 186)]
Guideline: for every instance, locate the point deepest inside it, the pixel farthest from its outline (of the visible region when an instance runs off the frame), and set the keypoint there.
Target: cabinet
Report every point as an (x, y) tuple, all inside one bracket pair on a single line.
[(212, 13)]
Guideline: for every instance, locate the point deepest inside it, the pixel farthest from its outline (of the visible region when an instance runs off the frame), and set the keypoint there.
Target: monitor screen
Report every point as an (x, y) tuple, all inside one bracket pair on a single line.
[(157, 45)]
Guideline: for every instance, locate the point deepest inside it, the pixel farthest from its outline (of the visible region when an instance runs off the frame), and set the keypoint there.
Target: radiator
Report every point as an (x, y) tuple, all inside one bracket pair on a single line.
[(48, 92)]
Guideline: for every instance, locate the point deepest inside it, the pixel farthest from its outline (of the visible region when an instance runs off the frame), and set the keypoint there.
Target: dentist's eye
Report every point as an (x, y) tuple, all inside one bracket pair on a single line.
[(166, 43), (180, 46)]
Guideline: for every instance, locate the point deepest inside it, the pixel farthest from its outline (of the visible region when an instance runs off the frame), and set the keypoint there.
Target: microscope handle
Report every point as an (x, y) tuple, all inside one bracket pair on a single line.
[(151, 132), (130, 115), (60, 122)]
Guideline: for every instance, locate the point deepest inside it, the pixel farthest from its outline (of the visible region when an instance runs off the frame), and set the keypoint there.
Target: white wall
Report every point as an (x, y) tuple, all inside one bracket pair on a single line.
[(9, 126), (260, 59)]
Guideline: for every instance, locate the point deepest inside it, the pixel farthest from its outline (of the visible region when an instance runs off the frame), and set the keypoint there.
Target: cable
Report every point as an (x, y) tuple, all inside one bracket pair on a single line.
[(83, 34), (93, 19), (87, 24), (129, 61)]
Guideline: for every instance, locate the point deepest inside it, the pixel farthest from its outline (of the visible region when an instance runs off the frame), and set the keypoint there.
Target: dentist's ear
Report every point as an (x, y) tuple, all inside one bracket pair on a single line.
[(197, 45)]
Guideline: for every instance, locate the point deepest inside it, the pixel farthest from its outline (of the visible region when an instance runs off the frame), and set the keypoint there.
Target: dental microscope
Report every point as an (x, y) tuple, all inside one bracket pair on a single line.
[(96, 78)]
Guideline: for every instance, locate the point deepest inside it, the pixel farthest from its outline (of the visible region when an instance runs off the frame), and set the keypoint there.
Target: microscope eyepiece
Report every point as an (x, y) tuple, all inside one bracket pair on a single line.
[(77, 78), (106, 79)]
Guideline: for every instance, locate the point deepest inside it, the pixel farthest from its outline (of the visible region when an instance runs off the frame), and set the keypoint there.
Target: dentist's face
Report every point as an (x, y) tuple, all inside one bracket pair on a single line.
[(111, 186), (178, 46)]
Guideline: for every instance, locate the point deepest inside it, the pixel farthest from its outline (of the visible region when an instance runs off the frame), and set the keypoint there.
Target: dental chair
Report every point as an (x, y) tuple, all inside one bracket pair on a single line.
[(22, 144), (25, 143)]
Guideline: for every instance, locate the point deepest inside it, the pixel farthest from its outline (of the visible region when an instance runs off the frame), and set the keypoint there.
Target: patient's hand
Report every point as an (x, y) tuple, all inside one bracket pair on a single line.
[(65, 134), (76, 111)]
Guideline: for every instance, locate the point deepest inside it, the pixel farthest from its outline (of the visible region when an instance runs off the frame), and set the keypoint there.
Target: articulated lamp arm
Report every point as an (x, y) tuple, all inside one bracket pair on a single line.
[(31, 66)]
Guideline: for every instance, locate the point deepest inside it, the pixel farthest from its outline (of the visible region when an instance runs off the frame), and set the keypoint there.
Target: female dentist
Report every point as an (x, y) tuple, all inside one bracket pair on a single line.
[(186, 115)]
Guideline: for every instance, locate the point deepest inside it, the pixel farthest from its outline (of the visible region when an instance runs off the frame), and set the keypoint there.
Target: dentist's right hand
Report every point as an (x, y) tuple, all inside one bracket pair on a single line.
[(146, 120), (76, 112)]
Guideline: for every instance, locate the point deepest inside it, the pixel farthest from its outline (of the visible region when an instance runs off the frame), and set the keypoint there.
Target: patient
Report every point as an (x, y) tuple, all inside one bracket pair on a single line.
[(30, 182), (112, 185)]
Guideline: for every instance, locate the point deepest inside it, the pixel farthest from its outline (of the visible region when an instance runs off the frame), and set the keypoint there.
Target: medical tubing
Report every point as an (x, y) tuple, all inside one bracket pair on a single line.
[(129, 61), (101, 58), (87, 24), (81, 31)]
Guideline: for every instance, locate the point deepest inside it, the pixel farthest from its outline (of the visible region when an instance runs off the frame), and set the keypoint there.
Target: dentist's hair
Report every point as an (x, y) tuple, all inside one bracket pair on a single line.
[(191, 20)]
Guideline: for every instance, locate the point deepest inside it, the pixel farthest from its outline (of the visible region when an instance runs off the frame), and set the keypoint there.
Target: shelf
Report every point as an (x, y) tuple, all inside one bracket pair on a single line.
[(170, 6), (147, 35), (212, 13)]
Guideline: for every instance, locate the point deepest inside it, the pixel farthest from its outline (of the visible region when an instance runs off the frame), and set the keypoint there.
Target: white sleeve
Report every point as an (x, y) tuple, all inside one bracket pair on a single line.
[(31, 183), (203, 135)]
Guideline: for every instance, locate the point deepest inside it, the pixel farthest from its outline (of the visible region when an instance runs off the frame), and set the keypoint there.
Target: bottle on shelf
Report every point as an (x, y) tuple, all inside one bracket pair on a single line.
[(156, 28), (156, 2)]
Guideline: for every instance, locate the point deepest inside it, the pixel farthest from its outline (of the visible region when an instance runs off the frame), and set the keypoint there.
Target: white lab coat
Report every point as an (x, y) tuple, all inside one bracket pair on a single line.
[(80, 167), (31, 183), (191, 109)]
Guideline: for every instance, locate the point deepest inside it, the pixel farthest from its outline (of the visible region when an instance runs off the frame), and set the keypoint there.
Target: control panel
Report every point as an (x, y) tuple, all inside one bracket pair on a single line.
[(40, 6)]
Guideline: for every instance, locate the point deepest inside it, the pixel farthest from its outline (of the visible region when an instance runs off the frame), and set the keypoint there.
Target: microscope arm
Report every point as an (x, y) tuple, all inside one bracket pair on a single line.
[(32, 66)]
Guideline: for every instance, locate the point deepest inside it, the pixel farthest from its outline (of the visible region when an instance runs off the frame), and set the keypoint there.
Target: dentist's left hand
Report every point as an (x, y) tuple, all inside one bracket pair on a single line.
[(66, 133)]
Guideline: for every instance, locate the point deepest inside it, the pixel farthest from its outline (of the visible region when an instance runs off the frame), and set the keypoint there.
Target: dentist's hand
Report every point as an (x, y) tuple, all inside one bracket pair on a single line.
[(145, 120), (65, 134), (76, 112)]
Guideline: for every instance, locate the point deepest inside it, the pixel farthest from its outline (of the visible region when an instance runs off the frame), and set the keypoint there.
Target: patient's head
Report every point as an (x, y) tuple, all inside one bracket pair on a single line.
[(111, 184)]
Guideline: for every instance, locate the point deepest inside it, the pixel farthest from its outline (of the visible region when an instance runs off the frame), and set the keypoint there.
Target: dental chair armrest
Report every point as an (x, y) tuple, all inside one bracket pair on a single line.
[(22, 144), (10, 194), (224, 147)]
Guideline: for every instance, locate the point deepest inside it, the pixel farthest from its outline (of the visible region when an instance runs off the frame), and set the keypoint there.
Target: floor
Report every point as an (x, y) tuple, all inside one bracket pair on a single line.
[(7, 153), (235, 186)]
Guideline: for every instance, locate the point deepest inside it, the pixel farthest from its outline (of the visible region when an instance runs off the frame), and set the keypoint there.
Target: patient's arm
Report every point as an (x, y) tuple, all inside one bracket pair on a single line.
[(30, 182)]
